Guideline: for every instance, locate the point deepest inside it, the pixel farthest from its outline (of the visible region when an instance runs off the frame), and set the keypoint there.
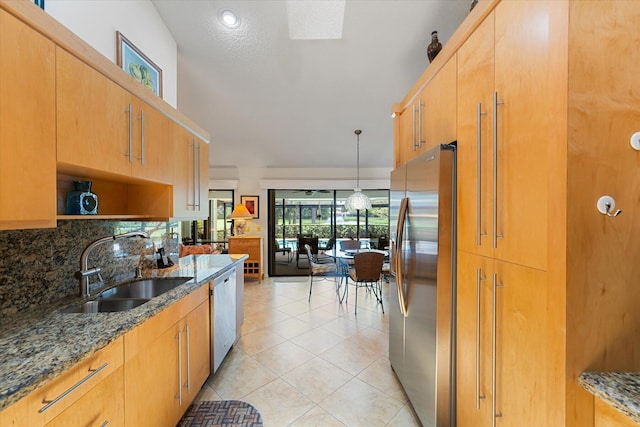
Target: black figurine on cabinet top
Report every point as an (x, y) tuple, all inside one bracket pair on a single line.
[(434, 47)]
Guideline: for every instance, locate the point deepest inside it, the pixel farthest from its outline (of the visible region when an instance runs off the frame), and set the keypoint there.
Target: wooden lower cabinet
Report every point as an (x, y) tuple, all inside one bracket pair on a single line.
[(102, 406), (75, 395), (166, 362), (149, 377), (197, 347), (606, 415), (501, 343)]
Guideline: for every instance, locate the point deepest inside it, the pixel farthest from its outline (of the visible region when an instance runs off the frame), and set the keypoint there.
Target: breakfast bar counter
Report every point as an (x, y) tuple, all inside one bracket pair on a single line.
[(39, 344)]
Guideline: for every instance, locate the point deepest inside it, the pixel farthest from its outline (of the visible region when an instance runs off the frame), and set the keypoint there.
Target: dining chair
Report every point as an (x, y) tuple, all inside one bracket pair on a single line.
[(366, 272), (285, 251), (383, 242), (306, 240), (322, 251), (319, 269), (346, 245)]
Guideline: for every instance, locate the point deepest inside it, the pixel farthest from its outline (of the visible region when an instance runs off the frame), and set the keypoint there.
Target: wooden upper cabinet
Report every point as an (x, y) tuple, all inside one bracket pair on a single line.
[(109, 130), (153, 146), (430, 118), (95, 118), (439, 112), (27, 129), (504, 133), (524, 131), (190, 175), (475, 153), (406, 139)]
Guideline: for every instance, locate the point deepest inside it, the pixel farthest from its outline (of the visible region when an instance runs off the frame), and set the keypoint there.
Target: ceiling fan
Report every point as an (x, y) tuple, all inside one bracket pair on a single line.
[(311, 192)]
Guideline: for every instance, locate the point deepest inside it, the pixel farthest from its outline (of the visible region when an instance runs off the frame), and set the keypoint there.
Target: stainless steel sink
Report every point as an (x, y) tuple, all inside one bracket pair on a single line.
[(106, 305), (145, 288)]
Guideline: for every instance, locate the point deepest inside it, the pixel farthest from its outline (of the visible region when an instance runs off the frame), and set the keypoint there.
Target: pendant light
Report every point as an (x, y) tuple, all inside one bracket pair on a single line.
[(358, 200)]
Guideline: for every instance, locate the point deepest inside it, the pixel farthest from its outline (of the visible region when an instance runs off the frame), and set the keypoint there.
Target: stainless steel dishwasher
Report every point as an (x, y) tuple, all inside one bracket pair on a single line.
[(222, 300)]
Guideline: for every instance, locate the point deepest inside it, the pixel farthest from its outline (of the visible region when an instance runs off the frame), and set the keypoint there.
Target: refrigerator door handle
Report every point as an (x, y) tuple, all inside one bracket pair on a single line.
[(402, 215)]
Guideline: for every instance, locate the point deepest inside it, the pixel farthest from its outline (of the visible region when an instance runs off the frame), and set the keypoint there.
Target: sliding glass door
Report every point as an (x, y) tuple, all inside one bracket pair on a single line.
[(319, 213)]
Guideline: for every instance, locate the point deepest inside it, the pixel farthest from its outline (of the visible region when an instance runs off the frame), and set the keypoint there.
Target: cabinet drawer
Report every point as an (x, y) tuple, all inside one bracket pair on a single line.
[(103, 405), (48, 401)]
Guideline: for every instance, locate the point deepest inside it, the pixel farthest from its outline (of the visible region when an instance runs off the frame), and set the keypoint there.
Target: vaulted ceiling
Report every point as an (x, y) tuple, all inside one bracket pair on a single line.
[(270, 101)]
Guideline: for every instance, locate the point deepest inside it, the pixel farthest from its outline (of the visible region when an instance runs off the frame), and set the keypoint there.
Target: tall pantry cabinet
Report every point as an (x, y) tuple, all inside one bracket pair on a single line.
[(547, 103), (504, 95)]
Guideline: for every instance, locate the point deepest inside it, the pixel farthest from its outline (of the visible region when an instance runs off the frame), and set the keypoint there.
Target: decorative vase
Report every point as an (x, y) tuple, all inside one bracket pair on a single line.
[(82, 201), (434, 47)]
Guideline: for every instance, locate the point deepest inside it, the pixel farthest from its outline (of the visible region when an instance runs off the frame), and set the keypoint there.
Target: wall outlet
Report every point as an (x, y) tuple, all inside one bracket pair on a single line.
[(257, 228)]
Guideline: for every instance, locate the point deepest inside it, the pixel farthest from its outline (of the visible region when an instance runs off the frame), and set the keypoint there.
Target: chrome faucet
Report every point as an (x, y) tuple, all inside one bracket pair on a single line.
[(86, 272)]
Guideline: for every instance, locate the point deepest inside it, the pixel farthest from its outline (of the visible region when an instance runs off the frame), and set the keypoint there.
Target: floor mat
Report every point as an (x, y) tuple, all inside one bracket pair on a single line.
[(228, 413)]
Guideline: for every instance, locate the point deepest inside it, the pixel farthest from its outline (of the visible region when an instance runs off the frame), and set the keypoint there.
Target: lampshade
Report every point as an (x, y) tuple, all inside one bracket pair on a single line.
[(358, 200), (240, 212)]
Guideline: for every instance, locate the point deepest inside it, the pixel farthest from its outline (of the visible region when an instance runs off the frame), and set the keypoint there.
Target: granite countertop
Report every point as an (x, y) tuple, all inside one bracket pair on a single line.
[(39, 344), (619, 389)]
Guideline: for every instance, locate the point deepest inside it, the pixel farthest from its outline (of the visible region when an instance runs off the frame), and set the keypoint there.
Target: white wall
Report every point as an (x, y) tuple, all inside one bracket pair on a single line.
[(97, 21), (256, 182)]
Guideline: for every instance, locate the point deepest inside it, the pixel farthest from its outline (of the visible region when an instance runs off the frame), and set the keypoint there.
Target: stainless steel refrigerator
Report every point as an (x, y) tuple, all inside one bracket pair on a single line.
[(422, 286)]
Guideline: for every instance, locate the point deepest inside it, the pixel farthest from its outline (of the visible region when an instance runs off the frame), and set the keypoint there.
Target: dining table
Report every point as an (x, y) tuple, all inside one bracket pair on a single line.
[(344, 261)]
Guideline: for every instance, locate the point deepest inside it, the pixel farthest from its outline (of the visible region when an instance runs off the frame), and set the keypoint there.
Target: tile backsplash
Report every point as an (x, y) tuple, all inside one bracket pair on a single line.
[(38, 266)]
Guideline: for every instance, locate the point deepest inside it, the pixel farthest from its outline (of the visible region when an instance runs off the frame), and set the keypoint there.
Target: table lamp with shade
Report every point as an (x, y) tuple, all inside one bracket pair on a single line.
[(239, 215)]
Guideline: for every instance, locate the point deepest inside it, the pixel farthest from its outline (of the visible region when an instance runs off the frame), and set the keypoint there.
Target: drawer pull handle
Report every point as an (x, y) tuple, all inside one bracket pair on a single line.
[(50, 403), (105, 424)]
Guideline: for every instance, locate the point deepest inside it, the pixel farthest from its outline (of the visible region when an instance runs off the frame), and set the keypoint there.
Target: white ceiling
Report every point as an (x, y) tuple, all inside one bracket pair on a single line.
[(269, 101)]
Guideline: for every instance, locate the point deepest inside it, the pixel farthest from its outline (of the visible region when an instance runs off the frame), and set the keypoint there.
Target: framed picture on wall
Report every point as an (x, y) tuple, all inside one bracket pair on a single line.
[(252, 203), (136, 63)]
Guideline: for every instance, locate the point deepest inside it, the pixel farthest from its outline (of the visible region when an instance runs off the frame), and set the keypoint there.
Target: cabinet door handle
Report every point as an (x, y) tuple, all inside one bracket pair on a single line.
[(129, 154), (105, 423), (188, 332), (415, 145), (479, 280), (197, 200), (495, 169), (141, 158), (92, 373), (179, 395), (493, 351), (479, 172), (420, 133), (193, 149)]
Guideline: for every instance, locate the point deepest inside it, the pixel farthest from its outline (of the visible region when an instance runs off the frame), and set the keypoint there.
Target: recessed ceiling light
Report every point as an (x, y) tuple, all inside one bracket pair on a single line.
[(229, 18)]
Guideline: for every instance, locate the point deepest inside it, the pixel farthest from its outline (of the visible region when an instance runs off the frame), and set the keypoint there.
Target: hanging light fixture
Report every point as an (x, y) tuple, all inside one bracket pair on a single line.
[(358, 200)]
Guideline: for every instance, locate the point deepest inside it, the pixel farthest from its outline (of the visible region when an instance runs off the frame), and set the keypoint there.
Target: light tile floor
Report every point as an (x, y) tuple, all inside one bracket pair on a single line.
[(312, 363)]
